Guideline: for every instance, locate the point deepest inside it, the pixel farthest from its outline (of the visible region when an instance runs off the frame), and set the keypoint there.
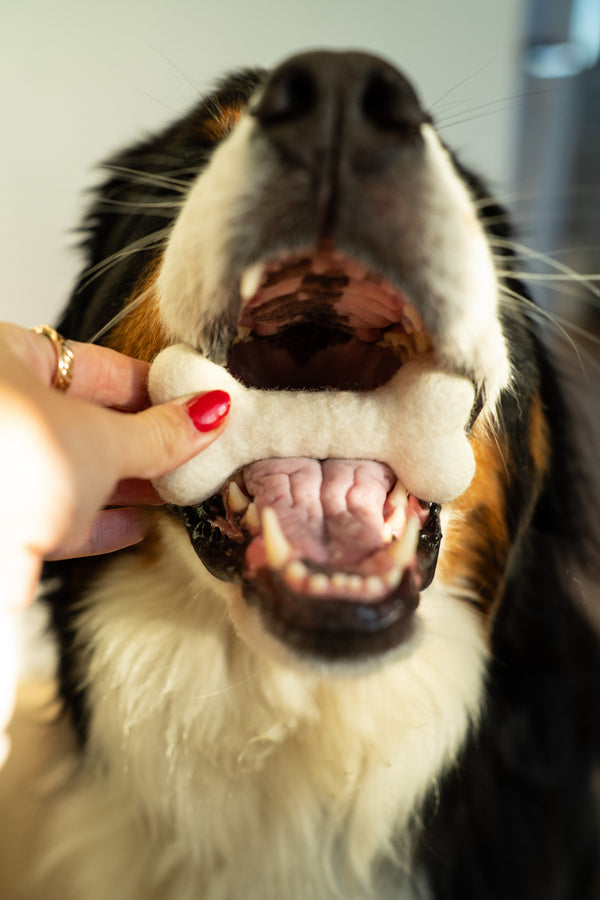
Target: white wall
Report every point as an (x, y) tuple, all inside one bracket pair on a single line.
[(78, 79)]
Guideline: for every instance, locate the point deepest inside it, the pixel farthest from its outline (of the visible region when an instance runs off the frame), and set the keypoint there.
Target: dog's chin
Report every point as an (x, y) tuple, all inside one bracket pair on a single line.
[(321, 649), (332, 629)]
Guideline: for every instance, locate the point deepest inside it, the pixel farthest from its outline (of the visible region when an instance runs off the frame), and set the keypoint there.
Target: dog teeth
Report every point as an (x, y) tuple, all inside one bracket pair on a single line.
[(421, 341), (277, 546), (392, 578), (251, 520), (374, 586), (394, 524), (410, 314), (237, 500), (295, 575), (403, 550), (250, 281), (319, 583), (397, 496), (340, 584)]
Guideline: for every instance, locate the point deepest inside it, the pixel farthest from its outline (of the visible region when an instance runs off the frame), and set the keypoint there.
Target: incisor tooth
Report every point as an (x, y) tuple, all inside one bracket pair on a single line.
[(354, 584), (237, 500), (392, 578), (277, 546), (338, 581), (404, 549), (295, 574), (374, 586), (318, 583)]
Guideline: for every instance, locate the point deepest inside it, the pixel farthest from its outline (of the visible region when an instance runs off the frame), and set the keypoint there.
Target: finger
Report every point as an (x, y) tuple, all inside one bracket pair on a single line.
[(112, 529), (162, 438), (108, 378), (134, 492), (100, 375)]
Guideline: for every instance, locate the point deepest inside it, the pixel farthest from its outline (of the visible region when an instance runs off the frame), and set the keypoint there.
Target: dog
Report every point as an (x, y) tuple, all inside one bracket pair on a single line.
[(399, 701)]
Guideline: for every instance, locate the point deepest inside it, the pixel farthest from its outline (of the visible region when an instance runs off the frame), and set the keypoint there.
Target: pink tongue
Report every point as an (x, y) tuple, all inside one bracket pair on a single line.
[(331, 512)]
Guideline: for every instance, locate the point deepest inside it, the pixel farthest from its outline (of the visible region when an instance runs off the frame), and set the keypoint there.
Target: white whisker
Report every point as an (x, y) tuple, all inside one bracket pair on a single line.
[(151, 241), (122, 314), (567, 274), (533, 311), (139, 176)]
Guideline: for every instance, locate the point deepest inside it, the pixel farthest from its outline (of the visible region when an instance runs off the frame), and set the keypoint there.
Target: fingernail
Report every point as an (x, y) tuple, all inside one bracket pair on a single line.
[(208, 410)]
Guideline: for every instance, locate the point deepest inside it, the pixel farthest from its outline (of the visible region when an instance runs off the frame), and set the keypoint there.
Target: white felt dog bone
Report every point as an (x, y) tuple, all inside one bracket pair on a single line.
[(415, 423)]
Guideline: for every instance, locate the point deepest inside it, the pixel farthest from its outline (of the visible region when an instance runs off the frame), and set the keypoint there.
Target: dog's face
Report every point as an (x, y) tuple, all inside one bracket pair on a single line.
[(320, 237)]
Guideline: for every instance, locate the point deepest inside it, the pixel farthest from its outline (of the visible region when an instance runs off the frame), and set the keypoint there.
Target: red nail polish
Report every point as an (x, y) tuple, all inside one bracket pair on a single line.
[(207, 411)]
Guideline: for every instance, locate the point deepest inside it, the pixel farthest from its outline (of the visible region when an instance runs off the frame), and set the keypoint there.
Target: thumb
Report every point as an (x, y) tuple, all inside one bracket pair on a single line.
[(161, 438)]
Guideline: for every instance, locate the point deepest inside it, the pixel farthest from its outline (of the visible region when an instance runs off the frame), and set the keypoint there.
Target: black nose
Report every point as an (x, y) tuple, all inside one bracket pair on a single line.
[(351, 104)]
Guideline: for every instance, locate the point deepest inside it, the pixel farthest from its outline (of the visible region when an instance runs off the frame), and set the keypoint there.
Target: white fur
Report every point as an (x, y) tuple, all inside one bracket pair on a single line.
[(213, 771), (194, 279), (415, 423)]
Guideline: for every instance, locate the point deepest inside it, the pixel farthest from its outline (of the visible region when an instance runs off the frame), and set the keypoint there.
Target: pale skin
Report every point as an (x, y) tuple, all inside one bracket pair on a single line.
[(66, 456)]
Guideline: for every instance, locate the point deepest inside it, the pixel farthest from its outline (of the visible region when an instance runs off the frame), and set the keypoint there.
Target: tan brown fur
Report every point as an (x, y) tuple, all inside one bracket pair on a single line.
[(140, 333), (478, 542)]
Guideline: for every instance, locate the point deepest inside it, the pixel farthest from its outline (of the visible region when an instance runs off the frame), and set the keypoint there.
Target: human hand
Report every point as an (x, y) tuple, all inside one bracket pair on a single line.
[(64, 457)]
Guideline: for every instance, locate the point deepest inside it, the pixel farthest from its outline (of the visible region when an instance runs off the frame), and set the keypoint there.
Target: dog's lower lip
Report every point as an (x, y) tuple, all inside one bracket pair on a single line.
[(334, 630)]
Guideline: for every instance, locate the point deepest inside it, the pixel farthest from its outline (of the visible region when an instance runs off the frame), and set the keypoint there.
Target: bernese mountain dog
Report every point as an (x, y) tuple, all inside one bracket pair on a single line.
[(315, 682)]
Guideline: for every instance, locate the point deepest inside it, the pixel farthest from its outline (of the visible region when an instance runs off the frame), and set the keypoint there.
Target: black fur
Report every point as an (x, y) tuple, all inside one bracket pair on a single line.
[(518, 817)]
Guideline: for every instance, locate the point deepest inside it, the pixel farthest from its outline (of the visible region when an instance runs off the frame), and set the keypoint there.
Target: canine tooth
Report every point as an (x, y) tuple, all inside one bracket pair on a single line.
[(318, 583), (404, 549), (398, 495), (250, 281), (251, 520), (237, 500), (277, 545), (394, 524)]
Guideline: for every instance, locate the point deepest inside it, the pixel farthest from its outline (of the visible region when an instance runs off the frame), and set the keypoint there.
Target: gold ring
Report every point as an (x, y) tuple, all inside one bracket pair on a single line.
[(64, 357)]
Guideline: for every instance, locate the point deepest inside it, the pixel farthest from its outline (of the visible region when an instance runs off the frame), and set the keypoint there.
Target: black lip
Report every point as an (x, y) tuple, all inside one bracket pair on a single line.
[(333, 630)]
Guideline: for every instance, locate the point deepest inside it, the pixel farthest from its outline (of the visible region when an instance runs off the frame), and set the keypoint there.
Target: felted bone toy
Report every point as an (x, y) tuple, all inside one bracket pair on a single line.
[(415, 423)]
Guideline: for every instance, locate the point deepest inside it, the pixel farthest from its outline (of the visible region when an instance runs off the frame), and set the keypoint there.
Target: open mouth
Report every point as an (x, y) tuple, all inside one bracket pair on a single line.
[(320, 320), (332, 552)]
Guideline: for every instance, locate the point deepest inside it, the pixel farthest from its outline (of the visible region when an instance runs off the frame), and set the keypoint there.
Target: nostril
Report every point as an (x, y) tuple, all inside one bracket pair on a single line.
[(389, 101), (291, 94)]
